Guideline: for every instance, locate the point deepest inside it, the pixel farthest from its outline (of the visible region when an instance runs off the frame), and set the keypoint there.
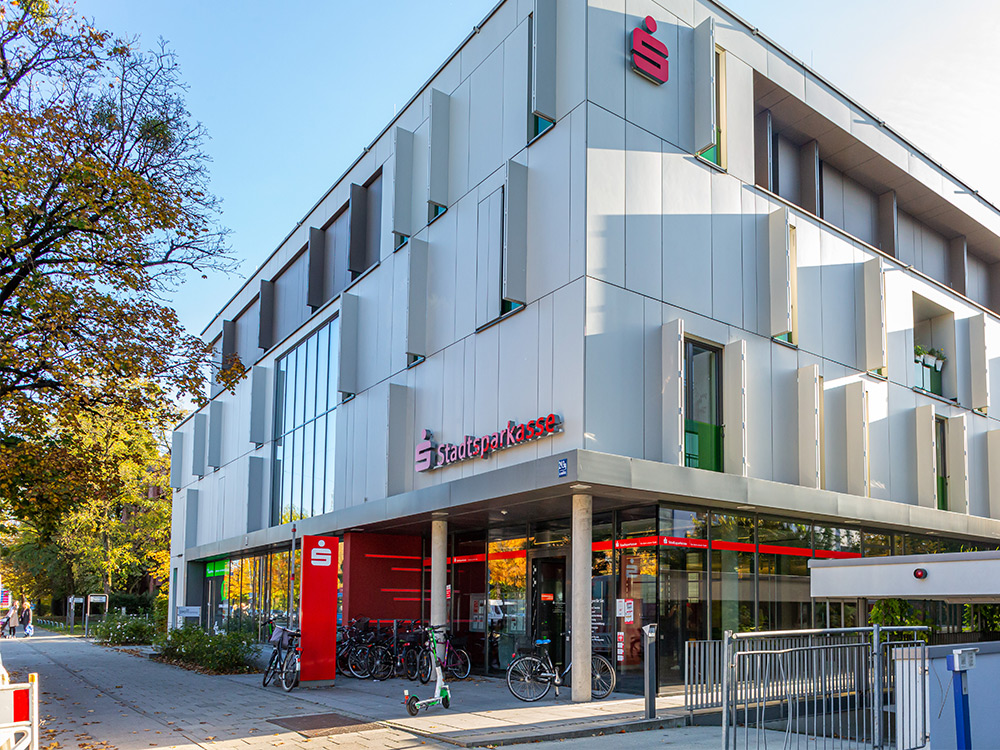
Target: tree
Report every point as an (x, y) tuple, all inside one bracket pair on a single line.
[(90, 504), (103, 207)]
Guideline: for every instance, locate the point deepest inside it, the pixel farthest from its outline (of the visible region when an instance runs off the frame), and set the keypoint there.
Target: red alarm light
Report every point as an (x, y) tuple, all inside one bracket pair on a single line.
[(920, 574)]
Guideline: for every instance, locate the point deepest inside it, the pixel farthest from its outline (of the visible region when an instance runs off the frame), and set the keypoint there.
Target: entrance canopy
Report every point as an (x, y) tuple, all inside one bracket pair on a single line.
[(961, 577)]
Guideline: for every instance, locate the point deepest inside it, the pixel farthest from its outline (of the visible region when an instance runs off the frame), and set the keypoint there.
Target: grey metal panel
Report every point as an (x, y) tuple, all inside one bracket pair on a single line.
[(256, 494), (958, 264), (979, 362), (489, 251), (265, 328), (734, 383), (317, 268), (763, 161), (810, 393), (857, 449), (925, 461), (780, 272), (229, 350), (993, 469), (191, 519), (258, 405), (705, 116), (543, 57), (958, 464), (358, 229), (198, 444), (515, 234), (176, 459), (347, 380), (888, 224), (398, 462), (874, 315), (438, 145), (416, 300), (402, 183), (809, 177), (215, 417)]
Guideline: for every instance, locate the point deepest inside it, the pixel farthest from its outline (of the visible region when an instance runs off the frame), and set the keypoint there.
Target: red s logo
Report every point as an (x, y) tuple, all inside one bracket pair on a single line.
[(424, 454), (649, 55)]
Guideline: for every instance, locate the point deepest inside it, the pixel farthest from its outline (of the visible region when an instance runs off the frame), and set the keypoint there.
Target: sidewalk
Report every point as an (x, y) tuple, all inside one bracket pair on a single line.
[(483, 712), (93, 694)]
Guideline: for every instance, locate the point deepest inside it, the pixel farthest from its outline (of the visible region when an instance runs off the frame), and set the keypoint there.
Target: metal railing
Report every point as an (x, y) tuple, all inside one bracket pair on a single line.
[(844, 689)]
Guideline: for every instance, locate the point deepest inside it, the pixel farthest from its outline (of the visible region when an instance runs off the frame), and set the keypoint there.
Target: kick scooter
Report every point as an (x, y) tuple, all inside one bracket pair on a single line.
[(442, 694)]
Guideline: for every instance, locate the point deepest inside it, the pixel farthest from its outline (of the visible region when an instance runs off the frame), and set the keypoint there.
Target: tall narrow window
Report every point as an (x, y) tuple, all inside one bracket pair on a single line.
[(792, 336), (941, 461), (717, 152), (702, 406)]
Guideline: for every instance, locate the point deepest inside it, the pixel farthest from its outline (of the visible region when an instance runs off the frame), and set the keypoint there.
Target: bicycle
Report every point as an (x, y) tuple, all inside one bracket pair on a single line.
[(530, 677), (456, 661), (290, 666), (281, 640)]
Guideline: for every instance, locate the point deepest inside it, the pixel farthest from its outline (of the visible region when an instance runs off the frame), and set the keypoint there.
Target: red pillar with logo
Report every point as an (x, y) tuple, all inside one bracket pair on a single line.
[(319, 610)]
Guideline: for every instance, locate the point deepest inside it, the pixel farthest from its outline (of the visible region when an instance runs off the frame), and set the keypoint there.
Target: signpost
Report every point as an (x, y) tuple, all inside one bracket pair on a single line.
[(959, 663), (318, 607), (94, 600)]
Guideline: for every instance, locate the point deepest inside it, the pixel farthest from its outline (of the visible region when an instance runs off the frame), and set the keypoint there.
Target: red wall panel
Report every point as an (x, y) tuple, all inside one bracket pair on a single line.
[(382, 576)]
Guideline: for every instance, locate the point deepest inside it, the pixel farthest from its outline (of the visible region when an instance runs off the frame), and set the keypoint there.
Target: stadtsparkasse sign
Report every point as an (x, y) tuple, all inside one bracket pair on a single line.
[(430, 455), (648, 54)]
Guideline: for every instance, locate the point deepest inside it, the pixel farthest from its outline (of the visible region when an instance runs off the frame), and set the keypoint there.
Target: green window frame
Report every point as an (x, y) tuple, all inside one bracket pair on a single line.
[(941, 461), (702, 406)]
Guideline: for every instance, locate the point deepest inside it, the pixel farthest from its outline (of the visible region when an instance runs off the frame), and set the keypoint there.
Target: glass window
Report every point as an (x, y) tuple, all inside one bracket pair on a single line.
[(305, 386), (508, 594), (732, 574), (876, 545), (702, 406), (550, 533), (602, 585), (539, 125), (941, 455), (636, 552), (683, 588), (783, 569), (469, 613)]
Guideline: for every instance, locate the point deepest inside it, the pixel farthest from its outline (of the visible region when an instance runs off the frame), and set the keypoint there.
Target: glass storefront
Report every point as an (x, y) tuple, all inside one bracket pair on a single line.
[(692, 572)]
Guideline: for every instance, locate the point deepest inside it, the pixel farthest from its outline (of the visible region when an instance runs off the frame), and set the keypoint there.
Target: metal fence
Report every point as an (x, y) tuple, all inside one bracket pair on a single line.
[(843, 689)]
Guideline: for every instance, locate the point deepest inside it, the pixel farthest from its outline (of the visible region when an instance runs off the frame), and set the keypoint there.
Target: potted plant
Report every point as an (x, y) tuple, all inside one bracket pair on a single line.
[(939, 359), (918, 353)]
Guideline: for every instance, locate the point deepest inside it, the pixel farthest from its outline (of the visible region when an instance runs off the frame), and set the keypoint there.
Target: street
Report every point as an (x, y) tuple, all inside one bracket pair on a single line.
[(97, 698)]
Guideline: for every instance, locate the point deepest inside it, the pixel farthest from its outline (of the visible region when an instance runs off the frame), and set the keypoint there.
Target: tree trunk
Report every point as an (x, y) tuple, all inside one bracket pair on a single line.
[(106, 568)]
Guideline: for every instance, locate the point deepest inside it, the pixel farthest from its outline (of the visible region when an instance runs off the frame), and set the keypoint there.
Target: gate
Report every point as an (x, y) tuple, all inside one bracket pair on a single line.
[(19, 715), (850, 688)]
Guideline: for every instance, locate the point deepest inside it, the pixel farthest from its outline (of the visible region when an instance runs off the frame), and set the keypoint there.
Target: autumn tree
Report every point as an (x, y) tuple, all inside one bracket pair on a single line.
[(104, 207), (89, 504)]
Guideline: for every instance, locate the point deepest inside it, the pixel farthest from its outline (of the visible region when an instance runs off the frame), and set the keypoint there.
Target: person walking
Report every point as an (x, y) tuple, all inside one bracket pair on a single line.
[(26, 620), (12, 619)]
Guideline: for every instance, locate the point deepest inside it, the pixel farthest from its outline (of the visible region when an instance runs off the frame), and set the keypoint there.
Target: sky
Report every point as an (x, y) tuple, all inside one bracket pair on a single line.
[(292, 92)]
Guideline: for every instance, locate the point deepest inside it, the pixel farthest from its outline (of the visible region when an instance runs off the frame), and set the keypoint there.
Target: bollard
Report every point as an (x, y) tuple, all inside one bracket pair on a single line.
[(649, 631), (959, 663)]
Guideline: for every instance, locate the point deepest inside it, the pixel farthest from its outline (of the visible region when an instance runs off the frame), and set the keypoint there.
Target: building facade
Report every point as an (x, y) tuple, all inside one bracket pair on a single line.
[(624, 293)]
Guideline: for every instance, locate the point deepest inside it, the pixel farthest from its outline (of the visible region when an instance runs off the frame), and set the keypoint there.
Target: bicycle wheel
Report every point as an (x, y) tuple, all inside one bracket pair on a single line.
[(526, 679), (602, 677), (410, 660), (459, 663), (425, 665), (381, 663), (272, 667), (290, 671), (343, 654), (359, 662)]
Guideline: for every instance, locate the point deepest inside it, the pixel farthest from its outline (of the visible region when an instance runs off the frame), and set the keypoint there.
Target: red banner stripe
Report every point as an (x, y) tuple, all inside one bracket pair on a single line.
[(836, 554), (683, 541), (394, 557), (733, 546), (778, 549), (401, 591), (407, 570)]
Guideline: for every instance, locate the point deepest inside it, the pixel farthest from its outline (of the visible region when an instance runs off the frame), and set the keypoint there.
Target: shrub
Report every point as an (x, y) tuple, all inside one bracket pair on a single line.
[(119, 630), (160, 610), (135, 604), (217, 652)]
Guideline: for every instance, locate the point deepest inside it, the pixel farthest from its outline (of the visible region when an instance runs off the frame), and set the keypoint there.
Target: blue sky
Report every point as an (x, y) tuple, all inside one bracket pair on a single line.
[(292, 92)]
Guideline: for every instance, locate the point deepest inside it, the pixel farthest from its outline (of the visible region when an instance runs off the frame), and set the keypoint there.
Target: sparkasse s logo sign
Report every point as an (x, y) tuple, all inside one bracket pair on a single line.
[(649, 54), (429, 455)]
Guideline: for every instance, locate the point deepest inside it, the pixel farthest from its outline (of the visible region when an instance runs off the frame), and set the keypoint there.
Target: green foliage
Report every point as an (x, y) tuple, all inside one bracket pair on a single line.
[(119, 630), (161, 608), (135, 604), (222, 652), (895, 612)]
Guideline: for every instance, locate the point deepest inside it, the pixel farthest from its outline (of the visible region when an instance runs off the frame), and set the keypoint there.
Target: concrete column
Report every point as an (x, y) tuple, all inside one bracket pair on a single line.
[(439, 576), (582, 567)]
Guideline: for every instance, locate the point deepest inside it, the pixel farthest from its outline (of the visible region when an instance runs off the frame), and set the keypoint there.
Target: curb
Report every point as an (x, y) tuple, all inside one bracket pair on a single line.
[(522, 734)]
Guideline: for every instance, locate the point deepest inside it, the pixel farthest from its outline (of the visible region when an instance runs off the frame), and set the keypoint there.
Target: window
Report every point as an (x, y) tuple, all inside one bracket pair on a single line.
[(433, 211), (304, 426), (933, 346), (717, 153), (539, 125), (941, 461), (541, 68), (702, 406)]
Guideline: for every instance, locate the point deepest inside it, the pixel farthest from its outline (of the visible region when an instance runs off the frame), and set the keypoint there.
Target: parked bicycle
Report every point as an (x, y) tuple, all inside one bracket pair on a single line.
[(530, 677), (456, 661), (284, 662)]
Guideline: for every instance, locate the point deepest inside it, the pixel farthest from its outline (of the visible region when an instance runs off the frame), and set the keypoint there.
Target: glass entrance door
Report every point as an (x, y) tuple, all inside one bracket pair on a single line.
[(548, 584)]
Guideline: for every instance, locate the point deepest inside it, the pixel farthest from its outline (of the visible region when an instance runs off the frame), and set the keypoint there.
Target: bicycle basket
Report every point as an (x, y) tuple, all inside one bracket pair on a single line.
[(281, 636)]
